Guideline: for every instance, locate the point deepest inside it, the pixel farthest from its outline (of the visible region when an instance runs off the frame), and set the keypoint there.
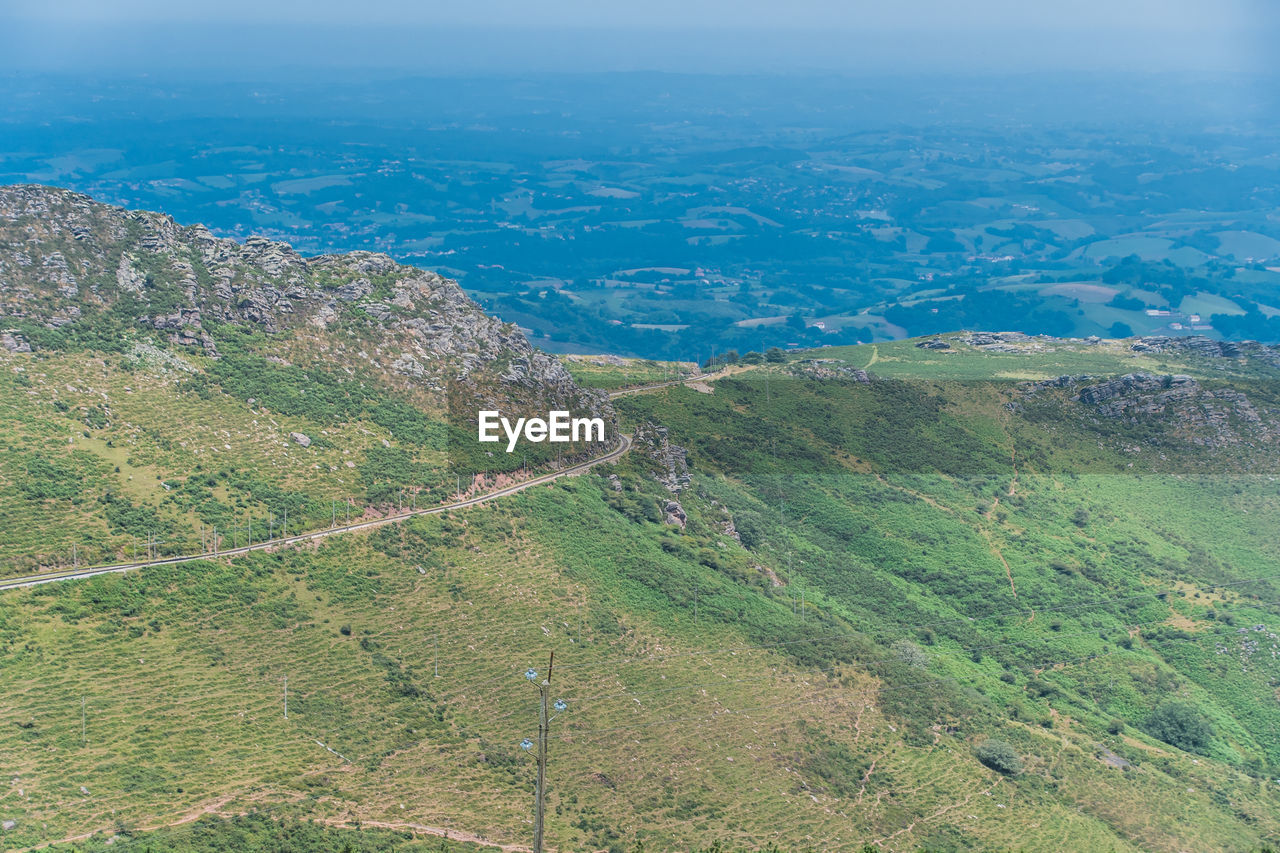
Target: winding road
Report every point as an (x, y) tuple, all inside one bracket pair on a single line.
[(73, 574), (623, 446)]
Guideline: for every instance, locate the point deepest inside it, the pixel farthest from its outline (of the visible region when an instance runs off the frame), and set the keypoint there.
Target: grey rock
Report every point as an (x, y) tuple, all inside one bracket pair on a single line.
[(13, 341), (301, 438), (671, 459), (440, 338)]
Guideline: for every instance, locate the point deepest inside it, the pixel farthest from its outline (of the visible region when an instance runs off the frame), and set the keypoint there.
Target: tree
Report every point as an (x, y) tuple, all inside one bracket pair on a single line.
[(775, 355), (1179, 724), (1120, 330), (1000, 756)]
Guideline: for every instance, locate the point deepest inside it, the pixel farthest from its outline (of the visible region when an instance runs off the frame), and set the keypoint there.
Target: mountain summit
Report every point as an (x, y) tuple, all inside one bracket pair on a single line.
[(73, 269)]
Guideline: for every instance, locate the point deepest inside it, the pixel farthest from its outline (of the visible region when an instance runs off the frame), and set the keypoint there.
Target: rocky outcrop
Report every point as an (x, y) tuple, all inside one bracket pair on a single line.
[(1208, 348), (13, 341), (673, 513), (670, 460), (186, 281), (724, 524), (1134, 385), (1212, 418), (997, 341), (1198, 344), (828, 368)]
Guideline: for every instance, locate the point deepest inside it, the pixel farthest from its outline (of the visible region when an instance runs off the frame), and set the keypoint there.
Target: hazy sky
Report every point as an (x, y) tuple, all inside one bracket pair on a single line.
[(731, 35)]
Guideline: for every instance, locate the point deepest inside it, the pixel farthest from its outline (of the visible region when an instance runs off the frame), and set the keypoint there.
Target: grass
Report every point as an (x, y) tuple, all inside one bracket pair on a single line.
[(916, 569), (612, 373), (184, 459)]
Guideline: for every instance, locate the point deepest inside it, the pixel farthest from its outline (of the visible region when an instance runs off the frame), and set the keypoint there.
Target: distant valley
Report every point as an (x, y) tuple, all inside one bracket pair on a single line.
[(670, 216)]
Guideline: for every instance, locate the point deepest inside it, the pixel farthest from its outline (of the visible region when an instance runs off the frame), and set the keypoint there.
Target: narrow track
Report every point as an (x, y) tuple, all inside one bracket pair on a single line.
[(75, 574), (624, 445)]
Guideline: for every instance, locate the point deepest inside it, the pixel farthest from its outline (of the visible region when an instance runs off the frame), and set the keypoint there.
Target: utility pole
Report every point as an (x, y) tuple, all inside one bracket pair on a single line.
[(75, 557), (333, 513), (286, 697), (539, 808), (215, 540)]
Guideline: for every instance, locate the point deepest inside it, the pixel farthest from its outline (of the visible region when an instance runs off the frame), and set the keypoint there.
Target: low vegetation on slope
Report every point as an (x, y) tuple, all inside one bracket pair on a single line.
[(896, 612)]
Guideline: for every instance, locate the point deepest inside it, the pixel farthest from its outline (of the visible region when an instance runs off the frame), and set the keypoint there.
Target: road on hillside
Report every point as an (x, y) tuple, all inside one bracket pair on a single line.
[(626, 391), (624, 445), (73, 574)]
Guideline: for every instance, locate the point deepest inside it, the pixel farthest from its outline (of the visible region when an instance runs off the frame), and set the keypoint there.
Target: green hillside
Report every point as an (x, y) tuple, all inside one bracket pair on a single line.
[(953, 607)]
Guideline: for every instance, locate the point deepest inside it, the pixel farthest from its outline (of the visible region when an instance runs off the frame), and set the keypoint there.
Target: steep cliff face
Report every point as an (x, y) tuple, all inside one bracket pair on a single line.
[(71, 267)]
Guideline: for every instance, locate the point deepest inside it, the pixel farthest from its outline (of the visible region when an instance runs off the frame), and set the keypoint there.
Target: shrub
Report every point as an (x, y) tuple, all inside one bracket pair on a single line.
[(999, 756), (1179, 724)]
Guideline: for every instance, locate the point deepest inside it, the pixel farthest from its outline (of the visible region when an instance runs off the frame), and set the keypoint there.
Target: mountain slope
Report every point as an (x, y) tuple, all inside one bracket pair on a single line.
[(272, 383), (903, 596)]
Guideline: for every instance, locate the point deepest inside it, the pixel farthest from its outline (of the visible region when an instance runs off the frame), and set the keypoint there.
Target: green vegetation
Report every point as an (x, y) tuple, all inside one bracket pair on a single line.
[(999, 756), (263, 832), (1181, 725), (935, 604), (612, 373)]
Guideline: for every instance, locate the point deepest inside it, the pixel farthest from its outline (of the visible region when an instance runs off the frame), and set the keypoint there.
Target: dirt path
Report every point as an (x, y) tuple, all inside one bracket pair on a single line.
[(436, 831), (879, 842), (211, 808), (991, 543), (214, 807), (624, 445)]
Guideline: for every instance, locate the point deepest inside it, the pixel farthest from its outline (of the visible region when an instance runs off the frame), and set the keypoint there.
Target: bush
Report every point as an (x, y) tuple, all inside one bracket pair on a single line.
[(1179, 724), (999, 756)]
